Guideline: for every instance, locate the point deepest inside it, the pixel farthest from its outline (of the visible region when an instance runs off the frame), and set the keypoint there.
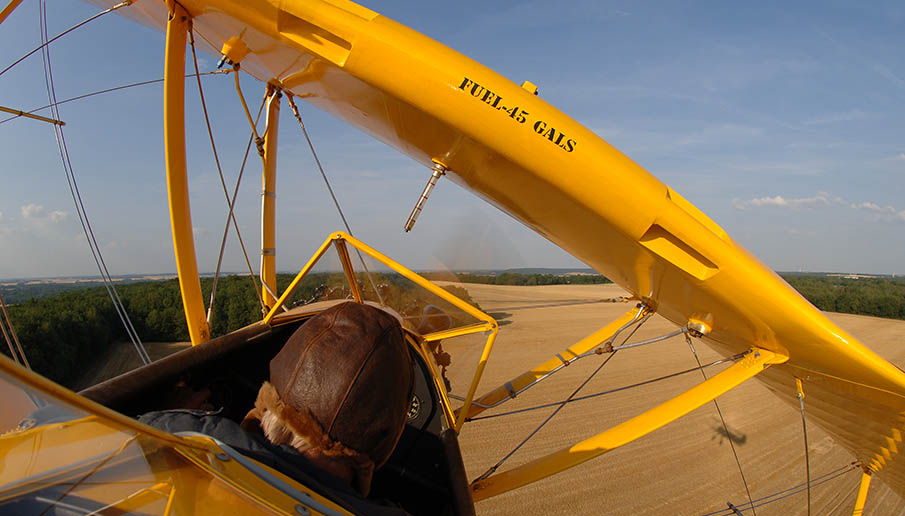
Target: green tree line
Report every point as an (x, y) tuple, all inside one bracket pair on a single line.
[(63, 330), (879, 297), (514, 278)]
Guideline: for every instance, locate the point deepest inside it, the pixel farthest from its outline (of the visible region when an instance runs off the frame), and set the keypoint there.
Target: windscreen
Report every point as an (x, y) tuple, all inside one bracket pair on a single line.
[(56, 458)]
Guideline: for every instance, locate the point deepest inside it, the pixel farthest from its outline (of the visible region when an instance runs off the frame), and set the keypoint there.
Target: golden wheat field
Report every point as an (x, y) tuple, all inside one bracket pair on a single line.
[(686, 467)]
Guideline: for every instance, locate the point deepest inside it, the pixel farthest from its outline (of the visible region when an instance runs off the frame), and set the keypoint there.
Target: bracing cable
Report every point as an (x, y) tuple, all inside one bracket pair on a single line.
[(562, 404), (230, 202), (9, 343), (804, 429), (259, 143), (725, 426), (534, 432), (4, 322), (790, 491), (76, 195), (107, 90), (610, 391), (317, 161), (842, 497), (45, 41)]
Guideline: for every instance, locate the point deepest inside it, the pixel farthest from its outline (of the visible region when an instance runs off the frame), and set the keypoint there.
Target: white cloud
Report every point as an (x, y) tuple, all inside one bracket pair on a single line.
[(32, 211), (1, 216), (762, 201), (901, 156), (873, 207), (37, 212), (821, 199), (880, 213), (58, 216), (889, 215)]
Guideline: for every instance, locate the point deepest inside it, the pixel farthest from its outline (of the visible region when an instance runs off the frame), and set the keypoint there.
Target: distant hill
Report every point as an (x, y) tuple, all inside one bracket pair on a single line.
[(16, 291), (20, 290), (551, 271)]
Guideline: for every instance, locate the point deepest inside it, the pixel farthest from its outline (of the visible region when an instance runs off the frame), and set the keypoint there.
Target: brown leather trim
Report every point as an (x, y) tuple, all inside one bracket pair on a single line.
[(304, 425)]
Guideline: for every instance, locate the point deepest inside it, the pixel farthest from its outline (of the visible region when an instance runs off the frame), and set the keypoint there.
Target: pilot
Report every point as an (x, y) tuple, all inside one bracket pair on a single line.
[(339, 394)]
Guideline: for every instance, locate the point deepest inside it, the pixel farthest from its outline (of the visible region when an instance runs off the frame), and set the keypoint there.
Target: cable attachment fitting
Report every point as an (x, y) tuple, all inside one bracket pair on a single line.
[(699, 325), (439, 170), (233, 51), (695, 331)]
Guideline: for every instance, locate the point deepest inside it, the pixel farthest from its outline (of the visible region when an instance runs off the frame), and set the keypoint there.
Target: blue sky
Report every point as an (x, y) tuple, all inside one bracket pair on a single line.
[(785, 122)]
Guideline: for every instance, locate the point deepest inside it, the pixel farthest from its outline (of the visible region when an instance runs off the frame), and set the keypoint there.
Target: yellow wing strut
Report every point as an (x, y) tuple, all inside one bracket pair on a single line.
[(753, 363), (563, 359), (177, 179), (862, 493), (10, 7), (268, 200), (487, 325)]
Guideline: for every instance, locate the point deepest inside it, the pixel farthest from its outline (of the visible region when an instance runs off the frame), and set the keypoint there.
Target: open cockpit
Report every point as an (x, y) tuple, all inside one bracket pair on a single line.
[(221, 377)]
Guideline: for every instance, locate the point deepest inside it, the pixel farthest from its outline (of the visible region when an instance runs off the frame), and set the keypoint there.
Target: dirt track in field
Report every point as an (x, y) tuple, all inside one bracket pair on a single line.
[(686, 467)]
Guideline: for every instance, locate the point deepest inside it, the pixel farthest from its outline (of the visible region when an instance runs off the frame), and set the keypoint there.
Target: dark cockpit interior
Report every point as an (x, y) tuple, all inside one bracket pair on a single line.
[(424, 475)]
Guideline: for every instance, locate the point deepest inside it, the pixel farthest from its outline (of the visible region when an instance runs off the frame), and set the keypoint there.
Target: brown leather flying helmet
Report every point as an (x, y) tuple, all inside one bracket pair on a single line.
[(349, 369)]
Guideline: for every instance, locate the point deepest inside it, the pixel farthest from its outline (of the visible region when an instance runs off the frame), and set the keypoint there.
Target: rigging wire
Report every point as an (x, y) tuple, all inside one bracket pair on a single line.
[(534, 432), (37, 402), (641, 314), (9, 343), (76, 194), (108, 90), (230, 202), (669, 335), (842, 500), (791, 491), (804, 427), (259, 143), (298, 116), (12, 330), (611, 391), (45, 41), (317, 161), (725, 426), (562, 404)]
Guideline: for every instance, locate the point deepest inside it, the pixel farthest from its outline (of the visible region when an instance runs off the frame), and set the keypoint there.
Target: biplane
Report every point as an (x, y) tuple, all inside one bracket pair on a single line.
[(85, 453)]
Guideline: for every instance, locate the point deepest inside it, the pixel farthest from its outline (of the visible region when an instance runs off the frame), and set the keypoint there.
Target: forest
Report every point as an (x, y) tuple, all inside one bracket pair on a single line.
[(879, 297), (514, 278), (69, 328)]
